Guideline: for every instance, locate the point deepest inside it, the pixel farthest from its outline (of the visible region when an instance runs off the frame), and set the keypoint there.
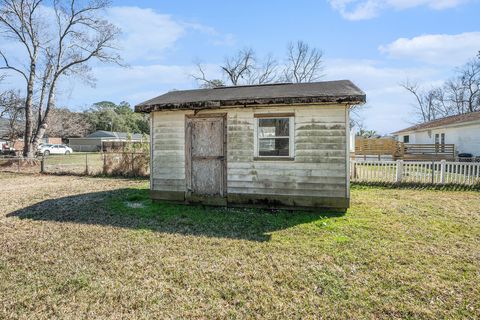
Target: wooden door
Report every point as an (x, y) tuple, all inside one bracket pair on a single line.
[(205, 158)]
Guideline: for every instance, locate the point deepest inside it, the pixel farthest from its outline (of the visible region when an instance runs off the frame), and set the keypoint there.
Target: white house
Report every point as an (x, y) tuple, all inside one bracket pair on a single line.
[(95, 140), (462, 130)]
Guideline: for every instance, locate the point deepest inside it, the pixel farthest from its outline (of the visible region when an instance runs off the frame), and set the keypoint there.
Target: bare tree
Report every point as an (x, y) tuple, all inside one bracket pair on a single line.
[(58, 45), (239, 67), (460, 94), (469, 77), (19, 22), (454, 95), (265, 72), (64, 123), (304, 63), (203, 81), (12, 111), (427, 101)]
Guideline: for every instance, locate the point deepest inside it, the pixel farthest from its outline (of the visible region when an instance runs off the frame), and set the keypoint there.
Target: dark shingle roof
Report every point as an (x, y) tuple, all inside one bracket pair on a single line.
[(461, 118), (342, 91), (114, 135)]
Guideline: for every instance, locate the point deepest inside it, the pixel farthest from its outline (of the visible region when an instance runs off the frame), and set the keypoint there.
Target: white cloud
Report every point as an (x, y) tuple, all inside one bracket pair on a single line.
[(389, 106), (367, 9), (134, 84), (147, 34), (439, 49), (147, 37)]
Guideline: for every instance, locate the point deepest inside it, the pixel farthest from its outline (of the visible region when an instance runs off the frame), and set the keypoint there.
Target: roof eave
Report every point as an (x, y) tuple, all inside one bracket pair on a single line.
[(449, 125), (349, 100), (402, 131)]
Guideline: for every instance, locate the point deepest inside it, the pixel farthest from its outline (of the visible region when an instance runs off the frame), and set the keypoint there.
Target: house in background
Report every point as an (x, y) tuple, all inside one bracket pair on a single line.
[(17, 145), (96, 140), (277, 145), (4, 128), (461, 130)]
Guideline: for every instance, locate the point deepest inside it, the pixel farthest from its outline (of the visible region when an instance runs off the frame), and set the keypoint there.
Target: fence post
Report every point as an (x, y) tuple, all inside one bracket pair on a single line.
[(433, 171), (86, 164), (104, 164), (442, 171), (350, 174), (42, 165), (398, 177), (133, 167)]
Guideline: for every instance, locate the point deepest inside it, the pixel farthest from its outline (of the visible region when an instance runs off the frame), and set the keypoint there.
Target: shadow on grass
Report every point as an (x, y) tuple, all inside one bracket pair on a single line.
[(132, 208)]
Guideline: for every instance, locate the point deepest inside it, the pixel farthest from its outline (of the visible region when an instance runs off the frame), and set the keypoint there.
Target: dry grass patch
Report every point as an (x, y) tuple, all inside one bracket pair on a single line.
[(88, 247)]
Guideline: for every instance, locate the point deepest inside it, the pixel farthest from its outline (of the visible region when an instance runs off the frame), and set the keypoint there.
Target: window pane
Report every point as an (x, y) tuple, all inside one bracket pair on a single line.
[(274, 147), (273, 128)]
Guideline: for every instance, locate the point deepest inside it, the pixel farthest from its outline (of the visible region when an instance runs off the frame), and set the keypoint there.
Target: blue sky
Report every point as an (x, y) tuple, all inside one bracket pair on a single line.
[(375, 43)]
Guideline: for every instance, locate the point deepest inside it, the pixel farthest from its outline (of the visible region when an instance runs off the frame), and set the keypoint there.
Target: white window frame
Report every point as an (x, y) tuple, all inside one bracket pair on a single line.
[(291, 137)]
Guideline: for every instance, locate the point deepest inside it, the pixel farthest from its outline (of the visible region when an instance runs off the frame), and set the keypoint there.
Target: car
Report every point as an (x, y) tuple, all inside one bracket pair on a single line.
[(48, 149)]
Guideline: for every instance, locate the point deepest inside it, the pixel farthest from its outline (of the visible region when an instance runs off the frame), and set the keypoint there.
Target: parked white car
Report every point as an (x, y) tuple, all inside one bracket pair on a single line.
[(48, 149)]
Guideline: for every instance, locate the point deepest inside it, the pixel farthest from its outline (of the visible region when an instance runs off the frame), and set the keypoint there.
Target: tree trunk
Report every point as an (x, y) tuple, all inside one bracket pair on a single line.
[(42, 125), (28, 151)]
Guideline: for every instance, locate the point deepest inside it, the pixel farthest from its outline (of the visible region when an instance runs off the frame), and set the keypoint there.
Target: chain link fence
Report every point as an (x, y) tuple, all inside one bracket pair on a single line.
[(19, 164), (108, 164), (125, 164)]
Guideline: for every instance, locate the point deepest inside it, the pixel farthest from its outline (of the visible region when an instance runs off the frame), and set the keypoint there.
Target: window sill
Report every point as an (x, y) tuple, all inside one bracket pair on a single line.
[(273, 159)]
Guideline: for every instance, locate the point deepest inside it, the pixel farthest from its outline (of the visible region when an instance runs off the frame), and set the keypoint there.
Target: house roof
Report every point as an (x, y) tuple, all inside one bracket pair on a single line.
[(115, 135), (342, 91), (457, 119)]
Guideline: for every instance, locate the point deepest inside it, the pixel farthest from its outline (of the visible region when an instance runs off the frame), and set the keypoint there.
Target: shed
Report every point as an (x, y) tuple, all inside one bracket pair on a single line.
[(95, 140), (278, 145)]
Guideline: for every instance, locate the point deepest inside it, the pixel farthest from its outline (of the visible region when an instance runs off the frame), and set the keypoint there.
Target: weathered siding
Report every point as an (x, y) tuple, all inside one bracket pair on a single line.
[(168, 155), (319, 168)]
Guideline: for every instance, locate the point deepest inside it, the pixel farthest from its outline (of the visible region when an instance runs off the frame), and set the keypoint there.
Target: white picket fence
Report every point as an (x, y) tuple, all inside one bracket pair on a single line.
[(431, 172)]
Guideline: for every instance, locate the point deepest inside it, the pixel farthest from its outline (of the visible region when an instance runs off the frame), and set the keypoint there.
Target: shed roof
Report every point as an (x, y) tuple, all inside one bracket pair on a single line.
[(114, 135), (457, 119), (342, 91)]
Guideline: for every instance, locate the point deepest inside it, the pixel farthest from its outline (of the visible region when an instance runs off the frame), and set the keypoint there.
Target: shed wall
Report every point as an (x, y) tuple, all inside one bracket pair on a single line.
[(317, 176)]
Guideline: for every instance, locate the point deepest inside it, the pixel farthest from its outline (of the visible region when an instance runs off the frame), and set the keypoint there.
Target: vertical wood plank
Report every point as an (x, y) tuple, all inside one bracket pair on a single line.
[(188, 155)]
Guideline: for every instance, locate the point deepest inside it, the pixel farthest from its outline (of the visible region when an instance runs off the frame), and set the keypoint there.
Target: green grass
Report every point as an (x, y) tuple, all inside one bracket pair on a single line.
[(76, 158), (75, 163), (99, 248), (241, 223)]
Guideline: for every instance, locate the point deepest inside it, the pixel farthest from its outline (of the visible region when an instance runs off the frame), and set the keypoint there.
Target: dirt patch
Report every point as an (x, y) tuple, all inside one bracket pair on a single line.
[(134, 205)]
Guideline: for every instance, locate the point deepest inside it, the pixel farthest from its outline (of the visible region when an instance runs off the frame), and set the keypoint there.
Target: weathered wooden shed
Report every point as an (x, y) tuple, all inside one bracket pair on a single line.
[(278, 145)]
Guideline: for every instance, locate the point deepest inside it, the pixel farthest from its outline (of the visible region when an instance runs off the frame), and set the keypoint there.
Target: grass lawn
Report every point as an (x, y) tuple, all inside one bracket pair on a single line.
[(79, 247), (75, 162)]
